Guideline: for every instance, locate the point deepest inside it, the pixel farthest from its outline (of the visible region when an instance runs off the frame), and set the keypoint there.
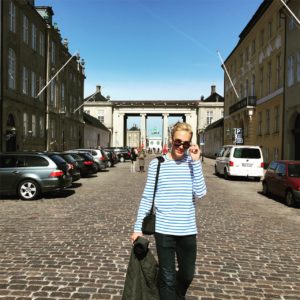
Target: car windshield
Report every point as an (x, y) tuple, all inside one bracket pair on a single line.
[(246, 153), (294, 170)]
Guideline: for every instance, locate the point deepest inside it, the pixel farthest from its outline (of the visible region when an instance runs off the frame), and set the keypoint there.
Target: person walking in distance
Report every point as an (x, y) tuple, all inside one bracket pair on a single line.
[(133, 159), (142, 160), (180, 184)]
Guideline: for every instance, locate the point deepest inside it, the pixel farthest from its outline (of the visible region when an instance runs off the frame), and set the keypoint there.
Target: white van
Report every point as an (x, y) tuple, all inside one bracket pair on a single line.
[(240, 160)]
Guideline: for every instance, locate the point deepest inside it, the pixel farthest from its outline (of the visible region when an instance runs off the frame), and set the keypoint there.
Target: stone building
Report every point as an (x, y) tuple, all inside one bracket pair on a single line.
[(34, 117), (256, 67), (291, 119)]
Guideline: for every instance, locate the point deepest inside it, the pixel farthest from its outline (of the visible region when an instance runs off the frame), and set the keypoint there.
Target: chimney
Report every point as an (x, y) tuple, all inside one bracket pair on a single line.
[(98, 89), (213, 89)]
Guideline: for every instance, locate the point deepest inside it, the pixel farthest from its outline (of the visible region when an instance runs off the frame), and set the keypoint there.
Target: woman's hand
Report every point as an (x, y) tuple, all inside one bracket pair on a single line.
[(195, 151), (135, 235)]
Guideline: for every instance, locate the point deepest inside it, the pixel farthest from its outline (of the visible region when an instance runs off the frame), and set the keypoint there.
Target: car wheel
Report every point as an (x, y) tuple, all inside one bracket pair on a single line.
[(289, 198), (265, 189), (226, 175), (29, 190), (122, 159), (216, 171)]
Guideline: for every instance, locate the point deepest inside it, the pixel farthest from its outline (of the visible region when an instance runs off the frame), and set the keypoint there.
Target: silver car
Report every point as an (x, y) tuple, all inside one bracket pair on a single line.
[(29, 175)]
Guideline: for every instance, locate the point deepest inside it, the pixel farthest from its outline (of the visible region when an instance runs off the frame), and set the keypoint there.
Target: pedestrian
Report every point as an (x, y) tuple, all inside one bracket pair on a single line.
[(142, 160), (180, 183), (133, 155)]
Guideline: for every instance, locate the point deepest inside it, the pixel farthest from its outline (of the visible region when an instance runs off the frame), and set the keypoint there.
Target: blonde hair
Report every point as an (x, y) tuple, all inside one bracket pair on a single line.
[(182, 126)]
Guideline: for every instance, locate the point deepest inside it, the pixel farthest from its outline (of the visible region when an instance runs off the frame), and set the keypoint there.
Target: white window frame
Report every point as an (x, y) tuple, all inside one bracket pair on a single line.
[(290, 71), (209, 117), (25, 80), (33, 125), (11, 69), (276, 119), (269, 78), (278, 71), (25, 123), (12, 17), (298, 66), (33, 84), (53, 93), (25, 29), (41, 126), (33, 37), (42, 44)]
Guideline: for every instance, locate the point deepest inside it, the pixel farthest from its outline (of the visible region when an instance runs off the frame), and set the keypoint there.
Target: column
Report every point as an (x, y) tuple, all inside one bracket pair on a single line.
[(118, 129), (143, 130), (191, 119), (165, 136)]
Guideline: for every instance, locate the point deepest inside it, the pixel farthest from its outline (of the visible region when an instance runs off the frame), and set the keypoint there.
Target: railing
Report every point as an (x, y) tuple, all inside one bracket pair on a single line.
[(248, 101)]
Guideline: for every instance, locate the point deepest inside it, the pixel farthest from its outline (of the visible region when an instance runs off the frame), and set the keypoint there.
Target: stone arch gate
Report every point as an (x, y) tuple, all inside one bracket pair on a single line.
[(188, 110)]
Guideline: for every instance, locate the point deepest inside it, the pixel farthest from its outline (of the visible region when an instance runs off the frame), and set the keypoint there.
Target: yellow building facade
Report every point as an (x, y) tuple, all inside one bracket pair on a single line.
[(253, 89)]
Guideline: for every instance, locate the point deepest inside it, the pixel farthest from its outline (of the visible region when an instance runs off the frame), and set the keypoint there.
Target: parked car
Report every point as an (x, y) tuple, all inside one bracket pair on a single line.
[(123, 153), (74, 167), (29, 175), (100, 157), (240, 160), (86, 163), (282, 179), (112, 157)]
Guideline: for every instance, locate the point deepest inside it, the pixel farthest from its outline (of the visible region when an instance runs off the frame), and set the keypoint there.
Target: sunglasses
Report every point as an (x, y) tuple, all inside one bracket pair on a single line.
[(178, 143)]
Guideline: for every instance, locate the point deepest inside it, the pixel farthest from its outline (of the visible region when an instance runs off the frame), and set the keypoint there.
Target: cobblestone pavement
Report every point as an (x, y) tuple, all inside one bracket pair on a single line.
[(75, 245)]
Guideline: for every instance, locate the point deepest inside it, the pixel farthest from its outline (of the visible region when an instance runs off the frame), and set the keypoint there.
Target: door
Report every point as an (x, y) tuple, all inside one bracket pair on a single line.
[(280, 180)]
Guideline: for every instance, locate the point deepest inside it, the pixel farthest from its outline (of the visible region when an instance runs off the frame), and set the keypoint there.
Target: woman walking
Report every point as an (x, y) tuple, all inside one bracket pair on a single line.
[(180, 183)]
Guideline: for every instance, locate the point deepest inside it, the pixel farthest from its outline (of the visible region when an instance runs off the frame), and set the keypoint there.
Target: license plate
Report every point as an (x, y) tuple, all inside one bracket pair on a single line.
[(247, 165)]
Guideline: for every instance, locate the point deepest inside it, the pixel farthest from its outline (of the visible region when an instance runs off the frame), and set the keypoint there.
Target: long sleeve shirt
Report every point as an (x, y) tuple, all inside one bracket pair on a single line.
[(180, 183)]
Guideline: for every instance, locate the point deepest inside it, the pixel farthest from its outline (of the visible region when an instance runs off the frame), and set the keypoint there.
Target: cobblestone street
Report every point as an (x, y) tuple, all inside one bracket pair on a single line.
[(76, 244)]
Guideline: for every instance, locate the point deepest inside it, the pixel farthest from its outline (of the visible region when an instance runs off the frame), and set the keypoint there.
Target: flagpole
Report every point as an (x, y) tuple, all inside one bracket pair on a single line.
[(228, 74), (56, 74)]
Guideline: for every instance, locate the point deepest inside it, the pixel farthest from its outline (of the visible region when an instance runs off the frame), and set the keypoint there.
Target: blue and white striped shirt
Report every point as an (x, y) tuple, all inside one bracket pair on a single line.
[(179, 183)]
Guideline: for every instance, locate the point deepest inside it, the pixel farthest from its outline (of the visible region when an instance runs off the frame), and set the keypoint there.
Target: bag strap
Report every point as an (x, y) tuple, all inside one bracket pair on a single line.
[(160, 160)]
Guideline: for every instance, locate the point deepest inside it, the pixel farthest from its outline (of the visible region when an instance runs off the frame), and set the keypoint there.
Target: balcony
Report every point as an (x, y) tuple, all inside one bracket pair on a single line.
[(248, 101)]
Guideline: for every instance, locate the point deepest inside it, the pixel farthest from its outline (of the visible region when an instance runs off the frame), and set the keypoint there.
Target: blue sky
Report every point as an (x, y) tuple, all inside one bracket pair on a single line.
[(152, 49)]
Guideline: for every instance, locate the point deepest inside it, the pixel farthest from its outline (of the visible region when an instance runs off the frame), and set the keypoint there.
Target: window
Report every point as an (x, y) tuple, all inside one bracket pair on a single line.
[(291, 22), (12, 17), (33, 37), (52, 129), (267, 121), (209, 117), (253, 47), (42, 44), (278, 71), (261, 38), (269, 77), (276, 119), (53, 93), (259, 127), (261, 82), (41, 126), (100, 115), (25, 29), (246, 153), (33, 84), (241, 91), (290, 71), (246, 88), (266, 154), (41, 83), (298, 66), (270, 25), (11, 69), (25, 81), (253, 85), (52, 52), (25, 123), (62, 101), (33, 125)]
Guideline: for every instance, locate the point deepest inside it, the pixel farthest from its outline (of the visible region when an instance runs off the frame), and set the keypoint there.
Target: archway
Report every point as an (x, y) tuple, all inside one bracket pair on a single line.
[(10, 134), (297, 138)]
